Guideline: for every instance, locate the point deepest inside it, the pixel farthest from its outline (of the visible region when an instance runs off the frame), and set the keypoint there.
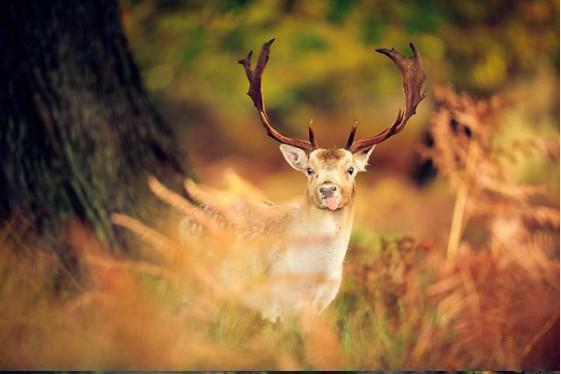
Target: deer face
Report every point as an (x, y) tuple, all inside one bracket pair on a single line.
[(331, 173)]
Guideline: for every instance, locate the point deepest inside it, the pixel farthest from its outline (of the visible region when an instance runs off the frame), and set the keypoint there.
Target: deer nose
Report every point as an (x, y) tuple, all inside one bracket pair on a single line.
[(327, 189)]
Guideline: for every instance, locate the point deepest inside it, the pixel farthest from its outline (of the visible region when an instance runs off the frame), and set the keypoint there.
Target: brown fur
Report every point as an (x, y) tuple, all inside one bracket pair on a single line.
[(330, 156)]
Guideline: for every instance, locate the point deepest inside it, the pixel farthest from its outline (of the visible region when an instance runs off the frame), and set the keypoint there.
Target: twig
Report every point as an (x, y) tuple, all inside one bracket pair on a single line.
[(459, 206)]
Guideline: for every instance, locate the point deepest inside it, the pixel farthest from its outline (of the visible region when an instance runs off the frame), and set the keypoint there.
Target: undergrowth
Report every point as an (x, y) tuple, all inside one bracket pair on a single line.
[(484, 301)]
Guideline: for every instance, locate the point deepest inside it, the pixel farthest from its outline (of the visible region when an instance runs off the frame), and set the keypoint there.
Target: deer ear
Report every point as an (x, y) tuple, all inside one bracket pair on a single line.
[(361, 157), (295, 156)]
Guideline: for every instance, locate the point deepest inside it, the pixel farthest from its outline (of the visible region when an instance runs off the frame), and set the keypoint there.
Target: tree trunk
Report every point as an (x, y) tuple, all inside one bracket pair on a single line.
[(78, 134)]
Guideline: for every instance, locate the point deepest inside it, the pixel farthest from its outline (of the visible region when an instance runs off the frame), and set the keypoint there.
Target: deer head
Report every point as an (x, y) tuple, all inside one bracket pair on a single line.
[(331, 172)]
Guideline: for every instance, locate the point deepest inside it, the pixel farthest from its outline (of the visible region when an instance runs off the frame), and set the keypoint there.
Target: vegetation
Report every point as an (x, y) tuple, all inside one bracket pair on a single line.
[(493, 302), (323, 64), (460, 271)]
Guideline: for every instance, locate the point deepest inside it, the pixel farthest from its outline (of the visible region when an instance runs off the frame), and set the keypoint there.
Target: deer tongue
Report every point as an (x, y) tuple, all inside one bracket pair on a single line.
[(332, 202)]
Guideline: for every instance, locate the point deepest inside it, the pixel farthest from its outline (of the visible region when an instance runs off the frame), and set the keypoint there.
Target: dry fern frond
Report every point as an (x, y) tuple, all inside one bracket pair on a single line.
[(463, 132)]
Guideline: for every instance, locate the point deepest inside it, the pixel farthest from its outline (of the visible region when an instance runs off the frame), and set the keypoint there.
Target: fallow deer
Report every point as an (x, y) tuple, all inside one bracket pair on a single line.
[(325, 213)]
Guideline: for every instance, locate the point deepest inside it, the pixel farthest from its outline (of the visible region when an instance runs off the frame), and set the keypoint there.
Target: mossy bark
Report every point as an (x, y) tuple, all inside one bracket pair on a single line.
[(78, 133)]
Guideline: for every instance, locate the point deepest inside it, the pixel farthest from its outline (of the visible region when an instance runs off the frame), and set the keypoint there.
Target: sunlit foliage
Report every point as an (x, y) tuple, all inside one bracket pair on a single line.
[(323, 65)]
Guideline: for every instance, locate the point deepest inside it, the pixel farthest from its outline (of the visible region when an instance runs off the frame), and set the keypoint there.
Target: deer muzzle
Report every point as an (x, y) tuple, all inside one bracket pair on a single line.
[(329, 194)]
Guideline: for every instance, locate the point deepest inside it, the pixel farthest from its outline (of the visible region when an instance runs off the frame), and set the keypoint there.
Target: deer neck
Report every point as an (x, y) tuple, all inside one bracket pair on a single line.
[(317, 239), (327, 221), (323, 230)]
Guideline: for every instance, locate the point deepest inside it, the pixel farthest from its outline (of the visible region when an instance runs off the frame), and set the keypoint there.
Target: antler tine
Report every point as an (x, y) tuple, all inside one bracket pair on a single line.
[(413, 78), (351, 137), (246, 62), (254, 92), (311, 134)]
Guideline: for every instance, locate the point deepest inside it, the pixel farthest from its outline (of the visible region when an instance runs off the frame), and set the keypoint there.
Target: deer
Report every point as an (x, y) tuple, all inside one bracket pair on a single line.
[(324, 214)]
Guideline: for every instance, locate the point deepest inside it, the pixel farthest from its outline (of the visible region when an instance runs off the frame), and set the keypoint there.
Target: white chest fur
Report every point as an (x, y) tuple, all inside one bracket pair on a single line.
[(307, 272), (316, 246)]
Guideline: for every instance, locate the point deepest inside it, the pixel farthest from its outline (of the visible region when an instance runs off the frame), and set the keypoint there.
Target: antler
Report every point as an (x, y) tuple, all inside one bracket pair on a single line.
[(413, 77), (254, 92)]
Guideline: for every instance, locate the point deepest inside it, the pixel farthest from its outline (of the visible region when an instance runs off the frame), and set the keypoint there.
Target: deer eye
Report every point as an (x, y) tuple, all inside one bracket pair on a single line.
[(350, 170), (309, 171)]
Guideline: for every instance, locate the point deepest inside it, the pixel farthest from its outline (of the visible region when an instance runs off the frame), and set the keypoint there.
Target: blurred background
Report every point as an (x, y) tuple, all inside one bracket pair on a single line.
[(323, 67), (453, 260)]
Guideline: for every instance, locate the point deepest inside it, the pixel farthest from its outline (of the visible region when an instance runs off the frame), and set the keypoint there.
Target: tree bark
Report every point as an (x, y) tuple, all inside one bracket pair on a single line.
[(78, 134)]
